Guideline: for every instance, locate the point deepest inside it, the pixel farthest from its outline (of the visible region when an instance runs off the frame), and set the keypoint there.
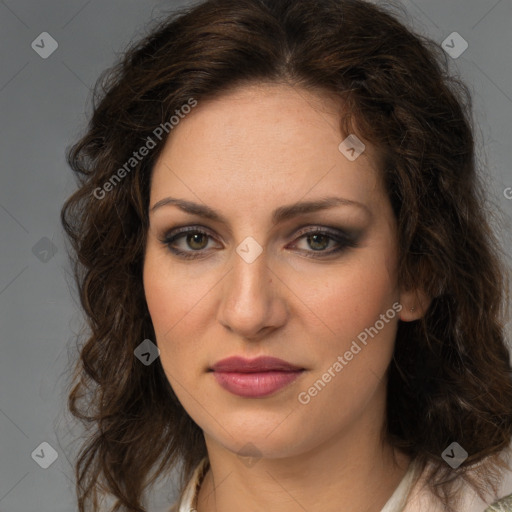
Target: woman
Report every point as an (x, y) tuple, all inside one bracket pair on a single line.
[(293, 292)]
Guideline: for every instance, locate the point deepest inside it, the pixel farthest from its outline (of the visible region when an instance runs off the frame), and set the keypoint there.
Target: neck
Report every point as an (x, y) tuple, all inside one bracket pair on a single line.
[(353, 468)]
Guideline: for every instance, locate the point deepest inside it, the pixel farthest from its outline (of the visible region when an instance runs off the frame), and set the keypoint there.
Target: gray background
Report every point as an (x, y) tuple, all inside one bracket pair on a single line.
[(43, 105)]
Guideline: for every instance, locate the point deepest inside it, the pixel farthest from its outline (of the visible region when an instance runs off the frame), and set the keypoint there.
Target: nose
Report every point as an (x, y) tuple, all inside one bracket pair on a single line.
[(253, 300)]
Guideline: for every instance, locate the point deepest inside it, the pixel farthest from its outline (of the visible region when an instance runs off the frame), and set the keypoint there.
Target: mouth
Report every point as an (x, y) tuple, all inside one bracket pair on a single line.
[(254, 378)]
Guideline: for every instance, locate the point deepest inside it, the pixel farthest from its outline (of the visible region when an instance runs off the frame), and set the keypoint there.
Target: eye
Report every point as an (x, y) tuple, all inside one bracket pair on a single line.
[(319, 239), (194, 238), (195, 242)]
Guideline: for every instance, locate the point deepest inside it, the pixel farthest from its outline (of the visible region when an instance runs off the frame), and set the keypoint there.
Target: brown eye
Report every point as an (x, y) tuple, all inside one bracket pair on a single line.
[(194, 240), (318, 242)]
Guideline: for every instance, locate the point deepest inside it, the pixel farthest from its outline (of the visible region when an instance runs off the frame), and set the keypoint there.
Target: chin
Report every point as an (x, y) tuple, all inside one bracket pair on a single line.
[(261, 444)]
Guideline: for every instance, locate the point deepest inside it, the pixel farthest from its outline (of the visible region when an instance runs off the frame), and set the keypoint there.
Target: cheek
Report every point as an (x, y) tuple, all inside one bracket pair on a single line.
[(159, 297), (170, 293), (176, 301), (354, 356), (166, 309), (354, 297), (166, 300)]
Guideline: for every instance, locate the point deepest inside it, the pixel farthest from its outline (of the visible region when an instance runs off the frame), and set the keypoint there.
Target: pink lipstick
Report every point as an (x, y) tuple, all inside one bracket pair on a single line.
[(254, 378)]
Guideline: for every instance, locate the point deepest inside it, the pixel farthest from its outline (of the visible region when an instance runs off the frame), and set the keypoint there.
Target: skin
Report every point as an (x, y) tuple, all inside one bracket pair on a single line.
[(245, 154)]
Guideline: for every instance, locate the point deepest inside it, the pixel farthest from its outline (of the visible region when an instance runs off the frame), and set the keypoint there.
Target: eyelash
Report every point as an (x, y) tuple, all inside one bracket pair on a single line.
[(344, 241)]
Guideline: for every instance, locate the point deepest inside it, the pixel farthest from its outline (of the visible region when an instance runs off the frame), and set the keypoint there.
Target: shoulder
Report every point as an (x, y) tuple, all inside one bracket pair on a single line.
[(502, 505), (421, 498)]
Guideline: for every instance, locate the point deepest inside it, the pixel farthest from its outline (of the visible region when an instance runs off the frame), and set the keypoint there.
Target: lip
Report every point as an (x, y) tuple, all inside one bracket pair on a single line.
[(259, 364), (254, 378), (255, 384)]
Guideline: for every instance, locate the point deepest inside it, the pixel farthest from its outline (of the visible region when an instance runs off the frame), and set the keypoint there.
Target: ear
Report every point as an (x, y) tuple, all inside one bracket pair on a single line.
[(414, 304)]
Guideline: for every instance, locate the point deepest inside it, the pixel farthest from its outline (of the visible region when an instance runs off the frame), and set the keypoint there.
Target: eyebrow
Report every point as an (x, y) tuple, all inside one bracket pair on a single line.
[(278, 215)]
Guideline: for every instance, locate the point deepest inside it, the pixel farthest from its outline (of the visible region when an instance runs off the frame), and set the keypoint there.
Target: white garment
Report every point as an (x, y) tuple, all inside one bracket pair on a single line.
[(192, 488), (409, 495)]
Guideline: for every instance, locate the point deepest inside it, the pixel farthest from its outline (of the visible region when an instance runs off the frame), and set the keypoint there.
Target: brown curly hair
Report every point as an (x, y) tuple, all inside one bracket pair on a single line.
[(450, 376)]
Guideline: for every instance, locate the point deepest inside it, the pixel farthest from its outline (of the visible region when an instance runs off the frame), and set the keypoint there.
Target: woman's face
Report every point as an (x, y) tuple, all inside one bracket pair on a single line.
[(255, 281)]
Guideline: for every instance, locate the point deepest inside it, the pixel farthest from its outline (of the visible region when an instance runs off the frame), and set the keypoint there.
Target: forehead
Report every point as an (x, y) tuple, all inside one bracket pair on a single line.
[(259, 141)]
